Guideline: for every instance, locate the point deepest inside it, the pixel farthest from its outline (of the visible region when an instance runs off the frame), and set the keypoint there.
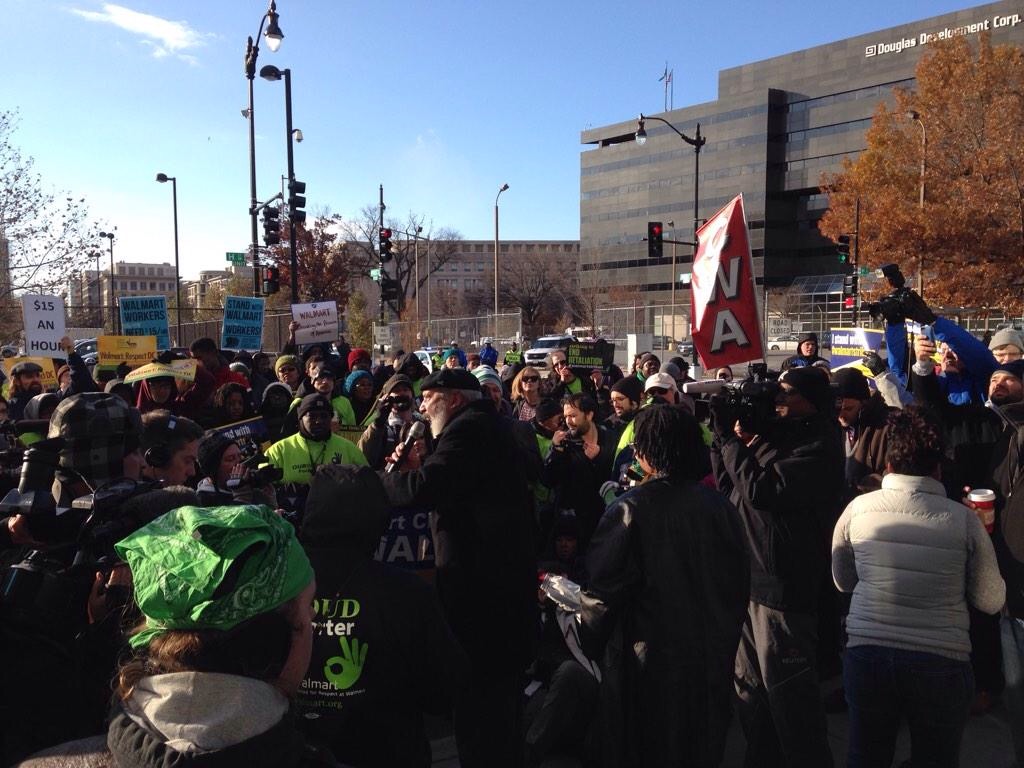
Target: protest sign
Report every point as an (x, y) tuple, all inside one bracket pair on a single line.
[(850, 344), (178, 369), (254, 429), (43, 317), (145, 316), (407, 543), (590, 354), (318, 322), (243, 323), (49, 373), (132, 350), (726, 327)]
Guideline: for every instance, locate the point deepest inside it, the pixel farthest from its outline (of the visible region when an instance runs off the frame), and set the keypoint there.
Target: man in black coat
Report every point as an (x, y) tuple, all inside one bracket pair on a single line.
[(787, 484), (486, 574)]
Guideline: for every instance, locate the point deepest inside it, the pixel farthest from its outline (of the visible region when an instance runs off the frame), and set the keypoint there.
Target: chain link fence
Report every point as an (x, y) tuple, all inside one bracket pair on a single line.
[(501, 329)]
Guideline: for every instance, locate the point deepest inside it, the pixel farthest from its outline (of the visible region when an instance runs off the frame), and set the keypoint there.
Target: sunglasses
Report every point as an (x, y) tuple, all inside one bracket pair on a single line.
[(657, 391), (287, 369), (530, 379), (560, 364)]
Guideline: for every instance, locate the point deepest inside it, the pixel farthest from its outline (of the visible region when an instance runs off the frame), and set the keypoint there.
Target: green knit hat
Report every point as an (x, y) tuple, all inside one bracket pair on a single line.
[(212, 568)]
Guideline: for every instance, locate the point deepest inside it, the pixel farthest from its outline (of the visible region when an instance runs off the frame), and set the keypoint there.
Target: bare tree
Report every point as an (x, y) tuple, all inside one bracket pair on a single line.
[(436, 248), (49, 234)]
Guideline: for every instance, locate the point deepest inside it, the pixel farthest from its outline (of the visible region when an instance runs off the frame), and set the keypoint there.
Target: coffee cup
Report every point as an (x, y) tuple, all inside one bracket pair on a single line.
[(984, 502)]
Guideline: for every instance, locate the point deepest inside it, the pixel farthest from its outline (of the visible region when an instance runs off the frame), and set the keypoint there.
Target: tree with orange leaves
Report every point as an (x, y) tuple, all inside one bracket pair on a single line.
[(969, 109)]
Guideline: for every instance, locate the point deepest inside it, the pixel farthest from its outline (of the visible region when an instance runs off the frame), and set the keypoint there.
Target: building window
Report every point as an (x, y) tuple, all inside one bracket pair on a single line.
[(134, 285)]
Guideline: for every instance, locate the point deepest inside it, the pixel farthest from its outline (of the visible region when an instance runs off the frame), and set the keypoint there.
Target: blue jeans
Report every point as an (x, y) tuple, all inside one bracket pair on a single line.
[(1013, 670), (886, 685)]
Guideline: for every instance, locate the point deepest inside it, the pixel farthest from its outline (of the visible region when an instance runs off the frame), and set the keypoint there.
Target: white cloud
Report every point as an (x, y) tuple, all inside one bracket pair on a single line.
[(162, 36)]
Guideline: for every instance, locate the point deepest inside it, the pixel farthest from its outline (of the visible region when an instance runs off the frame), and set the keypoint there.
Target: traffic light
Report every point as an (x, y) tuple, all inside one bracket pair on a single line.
[(296, 201), (850, 286), (271, 226), (271, 280), (655, 232), (390, 289), (385, 245), (843, 249)]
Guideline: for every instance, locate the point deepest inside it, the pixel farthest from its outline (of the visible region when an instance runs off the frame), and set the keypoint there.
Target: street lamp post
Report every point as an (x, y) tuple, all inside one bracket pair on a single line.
[(429, 273), (672, 301), (272, 73), (115, 320), (916, 117), (163, 178), (696, 142), (98, 282), (252, 52), (500, 190)]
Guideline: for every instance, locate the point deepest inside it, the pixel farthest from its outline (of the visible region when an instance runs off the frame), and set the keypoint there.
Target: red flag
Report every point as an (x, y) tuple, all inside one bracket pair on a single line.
[(726, 328)]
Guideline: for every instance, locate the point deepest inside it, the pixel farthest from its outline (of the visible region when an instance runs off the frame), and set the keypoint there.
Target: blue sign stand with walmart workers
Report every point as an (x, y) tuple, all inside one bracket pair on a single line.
[(145, 316), (243, 323)]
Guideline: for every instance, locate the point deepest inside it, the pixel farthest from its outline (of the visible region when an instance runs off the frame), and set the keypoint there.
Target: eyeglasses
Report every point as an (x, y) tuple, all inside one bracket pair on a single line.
[(287, 369), (530, 379)]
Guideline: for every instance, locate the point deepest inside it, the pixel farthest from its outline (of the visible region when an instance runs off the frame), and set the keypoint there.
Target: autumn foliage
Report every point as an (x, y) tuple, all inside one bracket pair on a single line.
[(970, 230)]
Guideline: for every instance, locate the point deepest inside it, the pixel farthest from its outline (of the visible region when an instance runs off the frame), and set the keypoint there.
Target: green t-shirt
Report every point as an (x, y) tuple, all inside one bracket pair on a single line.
[(298, 457)]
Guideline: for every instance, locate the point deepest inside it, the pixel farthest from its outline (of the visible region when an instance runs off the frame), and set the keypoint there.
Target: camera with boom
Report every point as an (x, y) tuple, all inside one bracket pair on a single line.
[(752, 399)]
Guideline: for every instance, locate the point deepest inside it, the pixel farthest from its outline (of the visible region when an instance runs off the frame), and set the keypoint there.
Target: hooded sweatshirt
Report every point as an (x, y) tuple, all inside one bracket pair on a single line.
[(382, 653)]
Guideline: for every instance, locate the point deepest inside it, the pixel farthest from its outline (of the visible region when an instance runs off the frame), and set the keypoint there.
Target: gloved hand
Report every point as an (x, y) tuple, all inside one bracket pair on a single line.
[(723, 416), (383, 411), (875, 363), (915, 308), (609, 491)]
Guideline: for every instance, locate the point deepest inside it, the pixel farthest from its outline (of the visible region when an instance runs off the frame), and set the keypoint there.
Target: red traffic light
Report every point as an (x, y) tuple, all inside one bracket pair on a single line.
[(385, 234), (848, 302), (656, 230)]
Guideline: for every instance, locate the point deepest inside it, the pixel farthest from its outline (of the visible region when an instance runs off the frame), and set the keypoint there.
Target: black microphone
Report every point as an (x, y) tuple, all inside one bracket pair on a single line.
[(416, 431)]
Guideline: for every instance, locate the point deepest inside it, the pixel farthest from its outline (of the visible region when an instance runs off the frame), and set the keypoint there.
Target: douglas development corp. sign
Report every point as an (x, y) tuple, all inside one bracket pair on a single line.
[(999, 21)]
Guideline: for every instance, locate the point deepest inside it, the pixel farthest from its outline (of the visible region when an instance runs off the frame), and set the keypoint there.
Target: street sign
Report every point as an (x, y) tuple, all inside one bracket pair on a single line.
[(381, 335), (863, 271), (375, 275), (235, 258)]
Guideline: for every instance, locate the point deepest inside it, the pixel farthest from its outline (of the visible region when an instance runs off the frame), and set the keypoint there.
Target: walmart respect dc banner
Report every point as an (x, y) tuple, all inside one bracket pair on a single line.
[(850, 344), (145, 316), (243, 323)]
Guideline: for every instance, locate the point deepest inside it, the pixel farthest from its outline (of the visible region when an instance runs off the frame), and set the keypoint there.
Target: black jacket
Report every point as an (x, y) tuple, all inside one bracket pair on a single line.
[(788, 488), (576, 480), (486, 575), (669, 585), (1007, 480)]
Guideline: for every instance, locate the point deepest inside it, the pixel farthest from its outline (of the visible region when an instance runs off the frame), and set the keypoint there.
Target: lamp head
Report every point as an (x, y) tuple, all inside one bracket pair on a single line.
[(913, 114), (273, 34), (297, 135), (163, 177), (270, 72), (641, 134), (503, 187)]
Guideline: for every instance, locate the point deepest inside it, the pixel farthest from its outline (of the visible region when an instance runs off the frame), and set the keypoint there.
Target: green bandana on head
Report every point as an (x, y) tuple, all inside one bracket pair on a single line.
[(212, 568)]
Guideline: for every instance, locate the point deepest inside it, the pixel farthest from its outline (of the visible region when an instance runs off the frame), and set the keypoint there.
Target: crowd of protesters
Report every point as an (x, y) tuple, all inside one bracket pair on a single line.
[(722, 552)]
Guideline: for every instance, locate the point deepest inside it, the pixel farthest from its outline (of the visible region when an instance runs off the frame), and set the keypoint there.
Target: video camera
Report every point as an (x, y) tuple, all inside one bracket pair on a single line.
[(48, 589), (752, 398), (256, 476), (891, 306)]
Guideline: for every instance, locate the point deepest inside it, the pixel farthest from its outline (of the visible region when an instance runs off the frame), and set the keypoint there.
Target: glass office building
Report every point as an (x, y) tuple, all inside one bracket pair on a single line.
[(776, 126)]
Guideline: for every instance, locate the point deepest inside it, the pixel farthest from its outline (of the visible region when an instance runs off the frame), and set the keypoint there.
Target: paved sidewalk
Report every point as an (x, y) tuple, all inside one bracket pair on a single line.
[(986, 743)]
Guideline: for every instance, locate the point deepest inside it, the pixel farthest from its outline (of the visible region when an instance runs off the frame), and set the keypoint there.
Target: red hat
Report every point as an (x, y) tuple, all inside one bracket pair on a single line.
[(355, 354)]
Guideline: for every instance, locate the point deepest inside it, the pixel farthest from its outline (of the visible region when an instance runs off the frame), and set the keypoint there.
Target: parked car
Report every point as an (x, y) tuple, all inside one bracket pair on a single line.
[(685, 349), (785, 343), (537, 356)]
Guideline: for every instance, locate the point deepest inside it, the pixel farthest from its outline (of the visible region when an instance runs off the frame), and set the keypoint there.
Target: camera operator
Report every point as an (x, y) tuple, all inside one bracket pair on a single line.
[(63, 602), (785, 476), (170, 446), (395, 409), (228, 477)]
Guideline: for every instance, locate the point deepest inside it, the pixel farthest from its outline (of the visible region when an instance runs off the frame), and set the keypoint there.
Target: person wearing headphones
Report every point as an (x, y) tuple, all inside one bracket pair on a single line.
[(170, 447)]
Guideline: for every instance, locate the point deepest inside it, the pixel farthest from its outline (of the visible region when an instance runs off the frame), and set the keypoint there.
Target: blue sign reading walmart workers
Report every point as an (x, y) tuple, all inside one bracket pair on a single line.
[(243, 323), (145, 316)]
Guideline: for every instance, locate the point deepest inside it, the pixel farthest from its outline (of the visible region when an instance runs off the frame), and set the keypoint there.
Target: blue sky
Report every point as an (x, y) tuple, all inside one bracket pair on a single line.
[(441, 102)]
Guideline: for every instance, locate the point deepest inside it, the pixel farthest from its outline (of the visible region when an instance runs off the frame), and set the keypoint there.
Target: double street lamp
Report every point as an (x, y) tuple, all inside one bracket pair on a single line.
[(500, 190), (163, 178), (115, 320), (252, 50)]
